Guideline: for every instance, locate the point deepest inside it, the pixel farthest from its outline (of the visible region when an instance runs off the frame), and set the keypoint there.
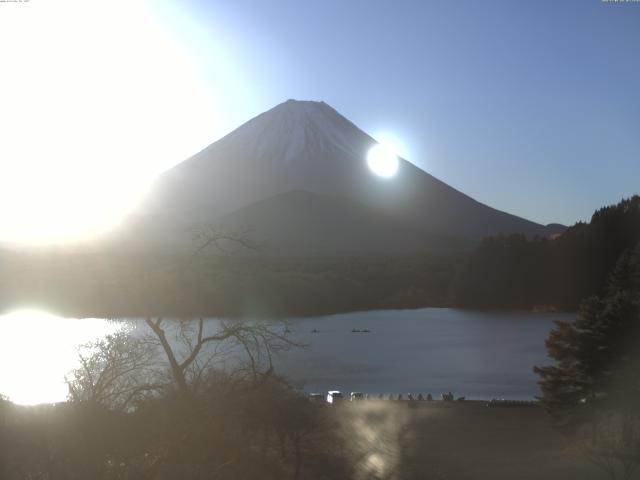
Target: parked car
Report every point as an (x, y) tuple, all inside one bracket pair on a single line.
[(316, 397), (356, 396), (334, 396)]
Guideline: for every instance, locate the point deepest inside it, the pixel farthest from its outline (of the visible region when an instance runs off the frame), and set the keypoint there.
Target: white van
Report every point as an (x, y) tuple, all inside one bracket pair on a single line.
[(334, 396)]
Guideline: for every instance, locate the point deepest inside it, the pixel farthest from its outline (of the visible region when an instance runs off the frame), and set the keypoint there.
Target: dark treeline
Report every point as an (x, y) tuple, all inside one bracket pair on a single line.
[(514, 272), (117, 284), (502, 272)]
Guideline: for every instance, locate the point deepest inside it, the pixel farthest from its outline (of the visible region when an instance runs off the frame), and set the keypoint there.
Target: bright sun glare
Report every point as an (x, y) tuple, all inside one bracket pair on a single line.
[(38, 350), (95, 102), (382, 160)]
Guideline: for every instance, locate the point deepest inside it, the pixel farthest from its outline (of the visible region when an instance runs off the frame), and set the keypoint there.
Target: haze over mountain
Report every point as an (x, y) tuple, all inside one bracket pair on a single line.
[(296, 178)]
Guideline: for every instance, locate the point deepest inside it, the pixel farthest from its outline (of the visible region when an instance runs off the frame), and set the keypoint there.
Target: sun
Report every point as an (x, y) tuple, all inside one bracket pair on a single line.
[(94, 104), (382, 160)]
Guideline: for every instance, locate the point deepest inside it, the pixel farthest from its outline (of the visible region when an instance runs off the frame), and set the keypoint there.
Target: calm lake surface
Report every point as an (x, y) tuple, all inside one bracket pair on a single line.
[(433, 350), (471, 353)]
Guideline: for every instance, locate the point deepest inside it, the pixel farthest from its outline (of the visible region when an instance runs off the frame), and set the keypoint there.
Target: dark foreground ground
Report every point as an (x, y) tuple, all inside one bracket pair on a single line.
[(368, 440), (458, 441)]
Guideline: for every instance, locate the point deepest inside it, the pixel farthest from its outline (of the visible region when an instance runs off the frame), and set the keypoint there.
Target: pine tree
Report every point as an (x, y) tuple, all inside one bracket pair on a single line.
[(593, 391), (598, 354)]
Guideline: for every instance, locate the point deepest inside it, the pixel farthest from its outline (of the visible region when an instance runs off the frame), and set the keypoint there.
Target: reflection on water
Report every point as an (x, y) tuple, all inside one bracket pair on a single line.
[(477, 354), (38, 349)]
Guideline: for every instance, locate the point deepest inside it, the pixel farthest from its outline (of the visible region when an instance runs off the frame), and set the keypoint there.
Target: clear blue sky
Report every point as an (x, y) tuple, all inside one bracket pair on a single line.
[(532, 107)]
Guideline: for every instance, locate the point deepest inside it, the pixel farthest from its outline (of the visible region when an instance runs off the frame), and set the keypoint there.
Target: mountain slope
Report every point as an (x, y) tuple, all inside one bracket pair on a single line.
[(308, 146), (305, 223)]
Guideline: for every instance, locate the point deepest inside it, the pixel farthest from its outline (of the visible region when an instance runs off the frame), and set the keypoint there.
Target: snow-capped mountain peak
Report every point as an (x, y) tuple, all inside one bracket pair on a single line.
[(281, 135), (306, 146)]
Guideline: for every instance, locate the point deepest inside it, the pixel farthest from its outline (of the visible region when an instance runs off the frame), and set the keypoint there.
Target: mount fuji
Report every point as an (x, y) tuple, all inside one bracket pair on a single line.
[(296, 178)]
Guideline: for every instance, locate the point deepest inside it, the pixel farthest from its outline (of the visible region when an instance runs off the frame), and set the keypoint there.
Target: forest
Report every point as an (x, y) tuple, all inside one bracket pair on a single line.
[(124, 284), (520, 273), (503, 272)]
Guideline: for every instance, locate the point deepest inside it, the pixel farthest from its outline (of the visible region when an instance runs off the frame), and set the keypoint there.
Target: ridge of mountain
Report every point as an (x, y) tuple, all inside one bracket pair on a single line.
[(308, 146)]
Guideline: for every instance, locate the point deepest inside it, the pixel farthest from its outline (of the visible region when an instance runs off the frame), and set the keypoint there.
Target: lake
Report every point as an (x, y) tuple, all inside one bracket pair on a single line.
[(433, 350), (477, 354)]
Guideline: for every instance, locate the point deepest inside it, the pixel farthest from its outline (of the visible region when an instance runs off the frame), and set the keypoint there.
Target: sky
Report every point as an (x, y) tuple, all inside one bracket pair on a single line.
[(532, 107)]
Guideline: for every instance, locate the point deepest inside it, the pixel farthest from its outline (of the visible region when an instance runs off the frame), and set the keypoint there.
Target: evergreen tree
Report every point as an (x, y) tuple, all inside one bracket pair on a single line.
[(598, 354), (516, 272), (593, 392)]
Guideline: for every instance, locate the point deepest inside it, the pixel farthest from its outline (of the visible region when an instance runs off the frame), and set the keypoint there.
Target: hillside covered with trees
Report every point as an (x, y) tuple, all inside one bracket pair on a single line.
[(123, 284), (516, 272), (502, 272)]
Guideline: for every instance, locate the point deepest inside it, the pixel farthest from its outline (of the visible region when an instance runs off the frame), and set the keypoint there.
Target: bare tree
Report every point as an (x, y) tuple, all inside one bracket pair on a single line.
[(188, 358), (119, 369), (208, 237), (257, 340), (116, 372)]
